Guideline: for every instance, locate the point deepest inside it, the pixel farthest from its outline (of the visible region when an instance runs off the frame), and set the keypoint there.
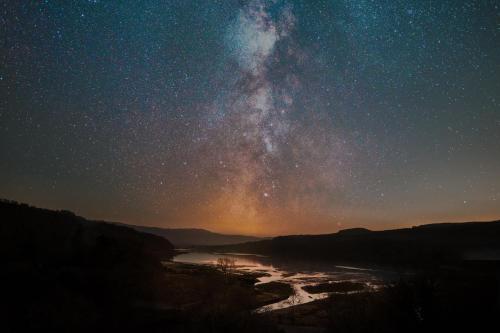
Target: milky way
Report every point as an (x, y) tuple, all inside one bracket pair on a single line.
[(259, 117), (263, 150)]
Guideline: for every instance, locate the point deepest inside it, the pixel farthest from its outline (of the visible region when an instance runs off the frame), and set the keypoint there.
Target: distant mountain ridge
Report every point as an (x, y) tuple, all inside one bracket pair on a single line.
[(187, 237), (425, 245)]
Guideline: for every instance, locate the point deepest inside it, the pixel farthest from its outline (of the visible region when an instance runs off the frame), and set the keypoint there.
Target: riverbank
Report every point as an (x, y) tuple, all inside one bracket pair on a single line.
[(290, 283), (186, 278)]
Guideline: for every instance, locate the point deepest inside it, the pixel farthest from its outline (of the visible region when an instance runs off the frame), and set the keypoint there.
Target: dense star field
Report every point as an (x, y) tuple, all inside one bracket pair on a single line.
[(257, 117)]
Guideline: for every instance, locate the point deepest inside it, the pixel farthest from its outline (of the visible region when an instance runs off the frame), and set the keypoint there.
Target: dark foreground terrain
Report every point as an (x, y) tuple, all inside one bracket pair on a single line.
[(63, 273), (455, 300)]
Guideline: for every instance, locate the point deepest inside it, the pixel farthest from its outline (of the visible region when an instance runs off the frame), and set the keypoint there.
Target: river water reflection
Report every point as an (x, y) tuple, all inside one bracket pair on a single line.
[(296, 273)]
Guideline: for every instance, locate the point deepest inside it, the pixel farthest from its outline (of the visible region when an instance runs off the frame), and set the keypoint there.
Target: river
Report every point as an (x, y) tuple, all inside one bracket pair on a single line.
[(296, 273)]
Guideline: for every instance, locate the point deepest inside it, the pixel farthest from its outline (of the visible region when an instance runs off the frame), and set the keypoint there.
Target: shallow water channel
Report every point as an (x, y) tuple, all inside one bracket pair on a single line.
[(296, 273)]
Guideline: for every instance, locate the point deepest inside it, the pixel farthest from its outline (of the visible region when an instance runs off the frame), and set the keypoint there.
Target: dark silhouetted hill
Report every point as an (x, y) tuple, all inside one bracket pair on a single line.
[(42, 236), (424, 245), (61, 272), (195, 237)]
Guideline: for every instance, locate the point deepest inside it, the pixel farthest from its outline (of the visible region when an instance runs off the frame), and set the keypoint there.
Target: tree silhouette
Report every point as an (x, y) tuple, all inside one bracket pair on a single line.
[(226, 265)]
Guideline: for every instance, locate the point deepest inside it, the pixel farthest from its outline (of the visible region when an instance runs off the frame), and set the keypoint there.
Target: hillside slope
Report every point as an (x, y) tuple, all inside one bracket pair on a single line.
[(61, 272), (35, 234)]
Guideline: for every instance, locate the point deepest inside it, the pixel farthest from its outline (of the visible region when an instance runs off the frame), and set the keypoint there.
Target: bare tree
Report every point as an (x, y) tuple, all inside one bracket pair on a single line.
[(294, 298), (226, 265), (292, 301)]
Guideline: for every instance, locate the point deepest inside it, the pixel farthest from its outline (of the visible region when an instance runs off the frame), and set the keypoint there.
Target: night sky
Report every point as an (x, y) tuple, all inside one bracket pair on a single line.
[(256, 117)]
